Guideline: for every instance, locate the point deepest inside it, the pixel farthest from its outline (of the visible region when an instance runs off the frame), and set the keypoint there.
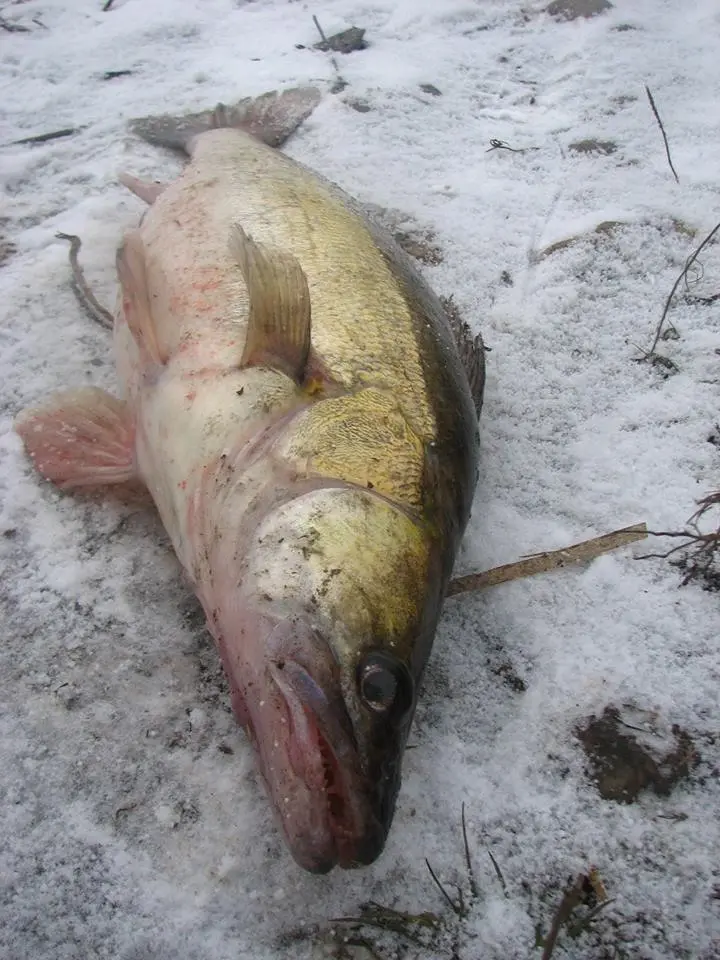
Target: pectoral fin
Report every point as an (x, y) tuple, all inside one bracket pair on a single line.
[(147, 191), (278, 334), (80, 438), (136, 297)]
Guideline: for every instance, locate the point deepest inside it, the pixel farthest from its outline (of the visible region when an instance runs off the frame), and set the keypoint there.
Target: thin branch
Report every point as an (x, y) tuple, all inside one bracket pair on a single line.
[(662, 131), (80, 287), (550, 560), (690, 261)]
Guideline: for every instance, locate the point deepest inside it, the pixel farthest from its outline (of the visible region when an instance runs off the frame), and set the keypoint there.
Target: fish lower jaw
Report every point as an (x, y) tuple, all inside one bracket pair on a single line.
[(345, 833)]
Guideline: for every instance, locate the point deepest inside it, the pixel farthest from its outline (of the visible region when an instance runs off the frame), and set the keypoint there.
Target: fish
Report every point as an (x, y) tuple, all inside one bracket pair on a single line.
[(304, 413)]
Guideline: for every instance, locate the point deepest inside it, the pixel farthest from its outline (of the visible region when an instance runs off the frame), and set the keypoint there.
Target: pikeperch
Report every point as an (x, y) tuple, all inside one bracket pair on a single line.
[(304, 414)]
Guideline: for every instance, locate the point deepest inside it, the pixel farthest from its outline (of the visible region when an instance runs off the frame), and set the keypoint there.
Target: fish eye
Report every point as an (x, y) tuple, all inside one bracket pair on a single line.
[(384, 684)]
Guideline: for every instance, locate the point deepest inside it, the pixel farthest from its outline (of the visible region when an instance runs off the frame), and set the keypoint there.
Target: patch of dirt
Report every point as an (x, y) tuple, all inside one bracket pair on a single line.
[(626, 759), (7, 249), (605, 147), (509, 676), (608, 229), (420, 246), (573, 9)]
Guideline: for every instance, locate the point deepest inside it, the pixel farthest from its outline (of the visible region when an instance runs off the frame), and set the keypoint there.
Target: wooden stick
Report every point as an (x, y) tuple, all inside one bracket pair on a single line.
[(549, 560)]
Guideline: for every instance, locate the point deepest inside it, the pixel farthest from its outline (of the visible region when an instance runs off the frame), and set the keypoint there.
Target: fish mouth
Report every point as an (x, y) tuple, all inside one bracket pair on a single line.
[(332, 822)]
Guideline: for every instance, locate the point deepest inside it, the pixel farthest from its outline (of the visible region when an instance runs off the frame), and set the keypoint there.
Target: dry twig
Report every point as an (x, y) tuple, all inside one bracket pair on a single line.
[(549, 560), (702, 549), (340, 81), (662, 131), (683, 275), (82, 291)]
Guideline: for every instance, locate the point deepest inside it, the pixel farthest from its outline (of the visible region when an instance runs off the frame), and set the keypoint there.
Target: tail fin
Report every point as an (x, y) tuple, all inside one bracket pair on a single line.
[(272, 118)]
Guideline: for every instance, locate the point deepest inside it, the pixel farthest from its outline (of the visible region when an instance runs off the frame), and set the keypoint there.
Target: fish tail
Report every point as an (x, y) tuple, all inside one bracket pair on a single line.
[(271, 118)]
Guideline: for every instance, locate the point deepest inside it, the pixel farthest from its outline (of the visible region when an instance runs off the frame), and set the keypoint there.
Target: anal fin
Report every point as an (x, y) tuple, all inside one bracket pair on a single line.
[(278, 334), (80, 438)]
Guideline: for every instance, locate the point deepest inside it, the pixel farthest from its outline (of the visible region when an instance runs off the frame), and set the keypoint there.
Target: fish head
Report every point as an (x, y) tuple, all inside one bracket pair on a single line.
[(324, 638)]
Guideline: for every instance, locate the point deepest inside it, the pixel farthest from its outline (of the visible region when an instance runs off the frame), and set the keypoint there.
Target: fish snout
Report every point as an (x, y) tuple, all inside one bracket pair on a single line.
[(331, 819)]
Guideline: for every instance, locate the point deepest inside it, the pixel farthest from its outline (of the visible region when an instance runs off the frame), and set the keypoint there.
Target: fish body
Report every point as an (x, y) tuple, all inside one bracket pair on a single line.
[(294, 399)]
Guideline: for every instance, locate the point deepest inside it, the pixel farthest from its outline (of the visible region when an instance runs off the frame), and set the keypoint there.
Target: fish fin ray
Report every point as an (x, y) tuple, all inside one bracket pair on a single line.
[(271, 118), (471, 349), (136, 298), (147, 191), (80, 438), (278, 334)]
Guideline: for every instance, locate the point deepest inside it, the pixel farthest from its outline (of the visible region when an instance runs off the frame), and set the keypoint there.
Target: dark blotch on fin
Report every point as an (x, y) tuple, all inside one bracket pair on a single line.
[(271, 117), (471, 349)]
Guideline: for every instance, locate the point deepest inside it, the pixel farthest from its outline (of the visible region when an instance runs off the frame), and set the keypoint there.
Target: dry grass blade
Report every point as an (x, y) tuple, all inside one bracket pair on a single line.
[(662, 131), (413, 928), (498, 873), (584, 922), (457, 908), (468, 858), (549, 560)]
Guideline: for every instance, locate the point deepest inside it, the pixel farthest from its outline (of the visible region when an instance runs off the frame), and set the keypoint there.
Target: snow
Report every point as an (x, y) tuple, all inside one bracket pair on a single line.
[(133, 824)]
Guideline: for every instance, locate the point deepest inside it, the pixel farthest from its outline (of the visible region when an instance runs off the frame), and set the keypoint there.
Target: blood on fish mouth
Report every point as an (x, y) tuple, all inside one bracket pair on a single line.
[(334, 796), (323, 757)]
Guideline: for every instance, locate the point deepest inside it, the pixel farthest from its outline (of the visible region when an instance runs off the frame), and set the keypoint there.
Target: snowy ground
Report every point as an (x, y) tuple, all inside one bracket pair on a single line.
[(133, 824)]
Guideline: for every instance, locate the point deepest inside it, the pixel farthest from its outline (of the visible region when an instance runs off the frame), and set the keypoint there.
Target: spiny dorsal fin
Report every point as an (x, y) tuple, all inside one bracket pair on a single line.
[(278, 334), (471, 349)]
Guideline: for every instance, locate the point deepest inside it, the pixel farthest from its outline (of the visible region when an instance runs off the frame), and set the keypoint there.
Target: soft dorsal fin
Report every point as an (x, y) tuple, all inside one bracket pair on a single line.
[(278, 334)]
